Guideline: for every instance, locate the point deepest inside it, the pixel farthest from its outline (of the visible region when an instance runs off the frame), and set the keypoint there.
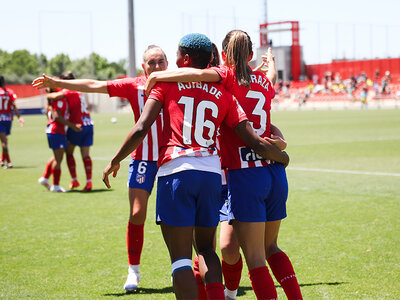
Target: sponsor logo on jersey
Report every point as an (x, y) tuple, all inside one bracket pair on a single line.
[(248, 154)]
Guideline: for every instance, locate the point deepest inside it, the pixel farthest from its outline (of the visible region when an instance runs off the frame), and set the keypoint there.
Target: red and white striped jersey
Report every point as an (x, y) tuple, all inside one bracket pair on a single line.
[(256, 102), (193, 112), (132, 89), (78, 109), (53, 126), (7, 97)]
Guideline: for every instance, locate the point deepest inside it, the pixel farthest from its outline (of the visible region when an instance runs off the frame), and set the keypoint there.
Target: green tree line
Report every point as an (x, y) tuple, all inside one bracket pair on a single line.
[(21, 66)]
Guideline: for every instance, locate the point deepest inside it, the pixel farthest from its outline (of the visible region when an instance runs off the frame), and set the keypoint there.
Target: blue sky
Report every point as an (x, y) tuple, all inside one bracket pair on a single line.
[(329, 29)]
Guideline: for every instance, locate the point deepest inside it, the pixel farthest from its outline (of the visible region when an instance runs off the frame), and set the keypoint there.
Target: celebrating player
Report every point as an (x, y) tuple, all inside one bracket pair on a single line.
[(56, 113), (7, 105), (259, 219), (188, 162), (143, 167)]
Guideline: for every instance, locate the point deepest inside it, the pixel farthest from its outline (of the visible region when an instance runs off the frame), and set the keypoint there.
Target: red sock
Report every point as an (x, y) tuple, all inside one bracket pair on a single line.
[(134, 241), (283, 271), (56, 176), (48, 170), (71, 165), (87, 161), (200, 284), (6, 157), (232, 274), (262, 283), (215, 290)]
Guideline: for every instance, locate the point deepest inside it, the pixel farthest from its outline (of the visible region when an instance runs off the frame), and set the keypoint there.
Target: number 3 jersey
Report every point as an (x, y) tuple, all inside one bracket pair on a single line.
[(256, 103), (132, 89), (193, 112)]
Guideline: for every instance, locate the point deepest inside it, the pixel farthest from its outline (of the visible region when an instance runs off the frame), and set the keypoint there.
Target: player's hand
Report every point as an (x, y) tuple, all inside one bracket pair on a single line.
[(150, 82), (111, 168), (21, 121), (77, 127), (286, 162), (277, 141), (43, 82)]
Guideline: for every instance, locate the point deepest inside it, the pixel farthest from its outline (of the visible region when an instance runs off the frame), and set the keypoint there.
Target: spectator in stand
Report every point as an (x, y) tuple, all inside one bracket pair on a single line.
[(385, 82), (7, 106)]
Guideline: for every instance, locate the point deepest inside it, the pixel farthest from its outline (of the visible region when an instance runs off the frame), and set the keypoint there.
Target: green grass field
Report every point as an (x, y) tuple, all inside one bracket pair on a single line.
[(342, 231)]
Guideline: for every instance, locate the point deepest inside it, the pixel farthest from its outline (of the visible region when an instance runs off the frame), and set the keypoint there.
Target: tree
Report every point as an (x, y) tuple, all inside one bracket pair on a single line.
[(59, 64)]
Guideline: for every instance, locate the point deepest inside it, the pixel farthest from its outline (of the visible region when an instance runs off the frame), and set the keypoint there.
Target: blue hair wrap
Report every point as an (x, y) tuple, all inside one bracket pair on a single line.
[(196, 41)]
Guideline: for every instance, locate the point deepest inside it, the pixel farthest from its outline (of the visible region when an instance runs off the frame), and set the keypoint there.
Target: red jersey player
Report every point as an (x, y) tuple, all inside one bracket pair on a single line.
[(249, 172), (143, 167), (188, 162), (55, 130), (7, 105)]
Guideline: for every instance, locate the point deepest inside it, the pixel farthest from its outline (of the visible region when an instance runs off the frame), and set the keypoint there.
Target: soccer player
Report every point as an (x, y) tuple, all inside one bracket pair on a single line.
[(258, 188), (7, 105), (56, 114), (79, 114), (188, 163), (143, 167)]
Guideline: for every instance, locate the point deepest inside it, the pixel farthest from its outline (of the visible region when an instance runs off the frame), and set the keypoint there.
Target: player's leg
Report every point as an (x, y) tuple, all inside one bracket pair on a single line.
[(5, 158), (88, 165), (278, 261), (179, 243), (44, 180), (232, 263), (71, 164), (58, 156), (140, 182)]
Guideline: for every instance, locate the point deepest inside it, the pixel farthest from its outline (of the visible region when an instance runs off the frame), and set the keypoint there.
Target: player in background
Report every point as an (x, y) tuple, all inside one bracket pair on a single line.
[(188, 162), (78, 114), (57, 110), (7, 105), (254, 92), (143, 167)]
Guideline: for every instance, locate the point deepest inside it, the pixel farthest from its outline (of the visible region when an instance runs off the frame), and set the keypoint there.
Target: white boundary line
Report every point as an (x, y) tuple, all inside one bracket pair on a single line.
[(345, 172)]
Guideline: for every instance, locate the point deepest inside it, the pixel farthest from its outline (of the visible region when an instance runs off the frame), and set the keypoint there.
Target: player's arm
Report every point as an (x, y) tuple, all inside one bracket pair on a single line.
[(60, 119), (81, 85), (16, 111), (135, 137), (259, 145), (181, 75), (268, 66), (277, 138)]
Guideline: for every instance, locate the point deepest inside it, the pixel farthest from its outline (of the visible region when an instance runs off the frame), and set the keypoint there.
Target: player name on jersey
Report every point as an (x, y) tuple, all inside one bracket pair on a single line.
[(262, 81), (200, 85)]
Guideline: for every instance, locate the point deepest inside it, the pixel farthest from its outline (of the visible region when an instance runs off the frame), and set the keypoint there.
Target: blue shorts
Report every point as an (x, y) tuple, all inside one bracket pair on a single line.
[(189, 198), (142, 174), (258, 194), (56, 140), (224, 204), (83, 138), (5, 126)]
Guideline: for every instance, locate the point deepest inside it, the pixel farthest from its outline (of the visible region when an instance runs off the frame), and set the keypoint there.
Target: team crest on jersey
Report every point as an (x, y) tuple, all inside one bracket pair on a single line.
[(140, 178)]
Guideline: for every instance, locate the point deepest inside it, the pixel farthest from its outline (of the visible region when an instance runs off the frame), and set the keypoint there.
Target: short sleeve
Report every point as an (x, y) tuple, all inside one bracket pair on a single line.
[(235, 113)]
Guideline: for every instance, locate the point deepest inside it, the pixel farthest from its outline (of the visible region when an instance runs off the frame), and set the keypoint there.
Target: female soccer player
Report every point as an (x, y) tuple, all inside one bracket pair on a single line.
[(143, 167), (258, 188), (188, 162), (7, 105)]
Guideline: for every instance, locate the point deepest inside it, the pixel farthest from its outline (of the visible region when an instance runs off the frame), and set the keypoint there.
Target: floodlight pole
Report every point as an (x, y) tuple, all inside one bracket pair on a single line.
[(131, 26)]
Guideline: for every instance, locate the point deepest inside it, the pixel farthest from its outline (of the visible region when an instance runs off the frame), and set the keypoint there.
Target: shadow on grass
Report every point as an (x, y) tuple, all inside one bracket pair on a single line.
[(22, 167), (91, 192), (243, 289), (165, 290)]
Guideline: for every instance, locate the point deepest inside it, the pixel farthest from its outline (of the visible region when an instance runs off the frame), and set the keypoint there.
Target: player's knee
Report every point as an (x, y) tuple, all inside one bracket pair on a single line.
[(230, 252), (271, 250), (181, 264)]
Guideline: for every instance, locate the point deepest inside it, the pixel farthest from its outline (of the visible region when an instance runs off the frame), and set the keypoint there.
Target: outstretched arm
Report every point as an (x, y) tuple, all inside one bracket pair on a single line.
[(81, 85), (135, 137), (181, 75), (259, 145)]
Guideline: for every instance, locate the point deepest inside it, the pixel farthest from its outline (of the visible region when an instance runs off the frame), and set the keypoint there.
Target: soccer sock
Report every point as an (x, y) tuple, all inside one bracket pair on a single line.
[(200, 284), (87, 161), (134, 241), (6, 157), (71, 165), (48, 170), (232, 274), (262, 283), (283, 271), (56, 176), (215, 290)]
